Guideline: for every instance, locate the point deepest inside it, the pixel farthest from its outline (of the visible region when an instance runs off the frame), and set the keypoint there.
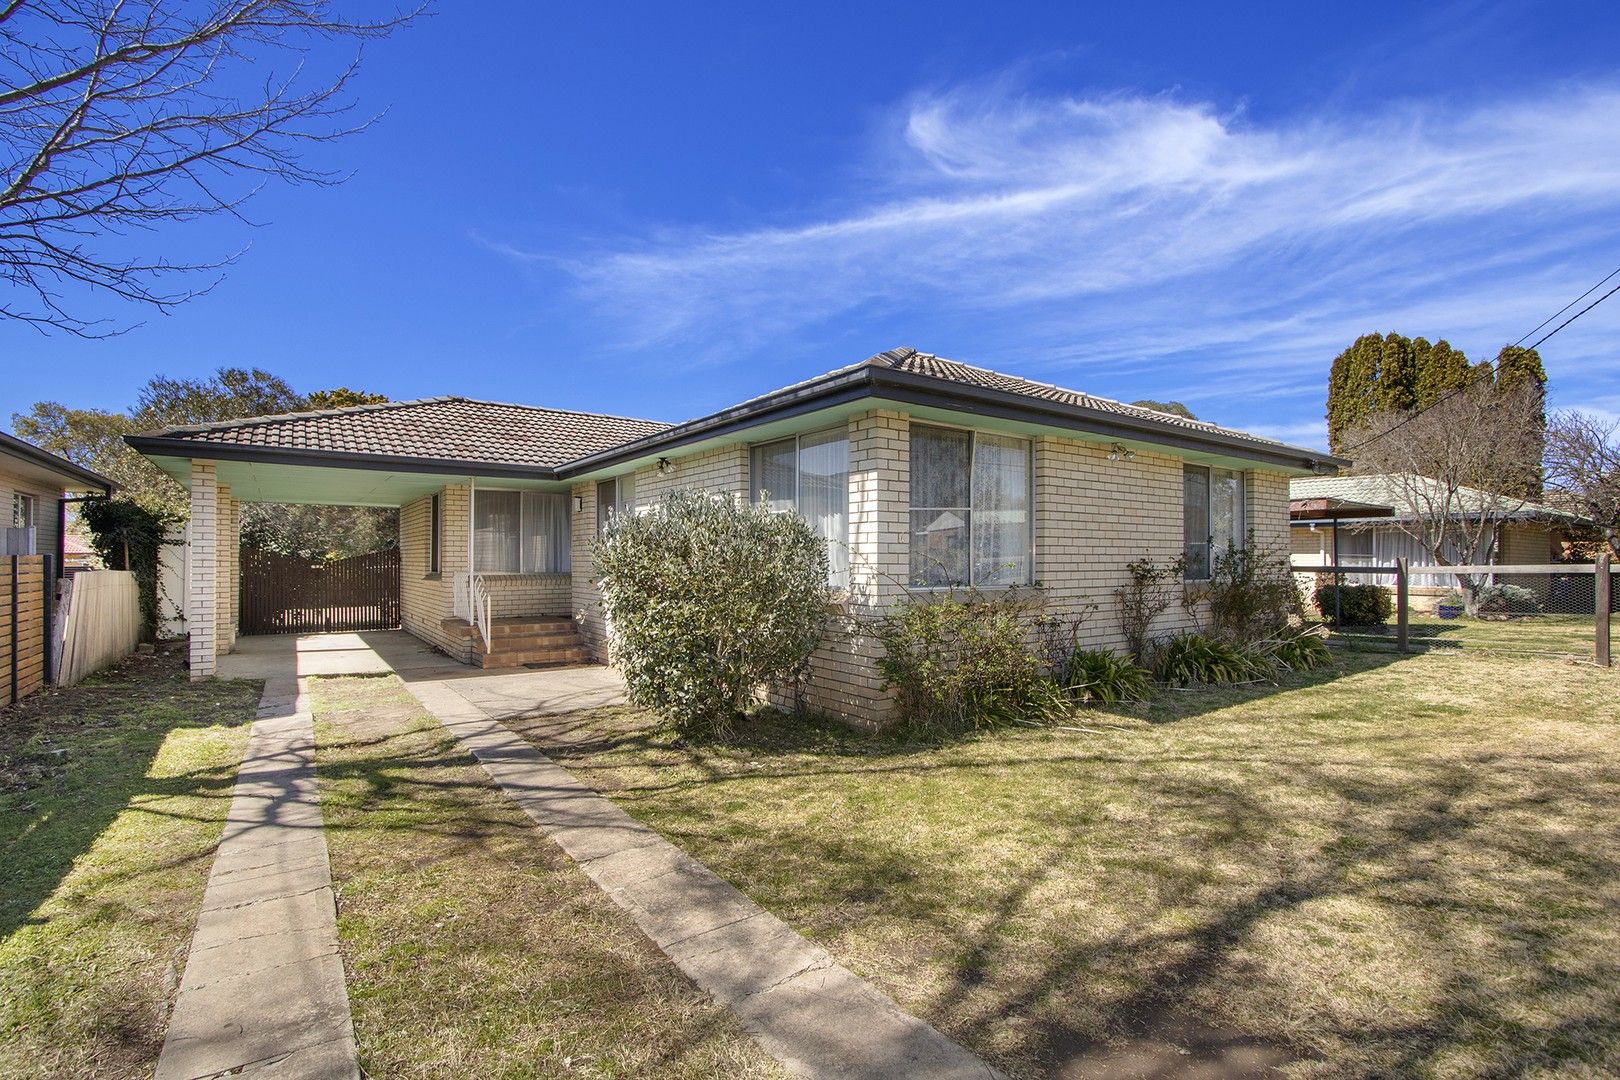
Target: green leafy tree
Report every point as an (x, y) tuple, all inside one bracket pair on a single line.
[(710, 599), (94, 438)]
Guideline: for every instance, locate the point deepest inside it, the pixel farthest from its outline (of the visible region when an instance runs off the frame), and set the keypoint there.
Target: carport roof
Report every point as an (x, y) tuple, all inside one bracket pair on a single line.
[(455, 430)]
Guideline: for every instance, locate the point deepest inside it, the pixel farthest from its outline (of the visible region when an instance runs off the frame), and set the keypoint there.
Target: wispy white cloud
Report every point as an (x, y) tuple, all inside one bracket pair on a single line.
[(1089, 239)]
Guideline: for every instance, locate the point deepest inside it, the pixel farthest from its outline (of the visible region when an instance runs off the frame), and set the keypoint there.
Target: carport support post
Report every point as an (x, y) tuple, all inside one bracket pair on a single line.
[(1601, 585), (203, 569), (1402, 622)]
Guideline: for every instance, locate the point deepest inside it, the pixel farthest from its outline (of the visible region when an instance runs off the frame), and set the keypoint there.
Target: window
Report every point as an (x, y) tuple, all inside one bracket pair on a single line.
[(22, 511), (617, 496), (970, 508), (435, 524), (520, 532), (809, 474), (1213, 516)]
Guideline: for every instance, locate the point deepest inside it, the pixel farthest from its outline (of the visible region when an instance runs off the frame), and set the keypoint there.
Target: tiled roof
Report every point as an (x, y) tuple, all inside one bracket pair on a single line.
[(1379, 489), (441, 428), (921, 363)]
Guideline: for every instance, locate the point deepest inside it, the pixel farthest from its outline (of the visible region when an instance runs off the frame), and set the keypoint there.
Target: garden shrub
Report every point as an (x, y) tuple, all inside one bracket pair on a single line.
[(1358, 605), (1297, 649), (1506, 600), (1196, 660), (1251, 593), (958, 662), (128, 536), (709, 599), (1098, 677), (1150, 592)]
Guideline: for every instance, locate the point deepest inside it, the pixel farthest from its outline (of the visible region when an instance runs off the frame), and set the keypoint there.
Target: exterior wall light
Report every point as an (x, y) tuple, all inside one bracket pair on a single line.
[(579, 504)]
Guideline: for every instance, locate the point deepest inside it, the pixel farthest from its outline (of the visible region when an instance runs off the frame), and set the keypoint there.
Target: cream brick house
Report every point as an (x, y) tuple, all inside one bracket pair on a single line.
[(920, 472)]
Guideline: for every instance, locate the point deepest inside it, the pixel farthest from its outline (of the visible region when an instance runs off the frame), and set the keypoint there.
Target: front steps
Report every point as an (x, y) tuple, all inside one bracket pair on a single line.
[(525, 640)]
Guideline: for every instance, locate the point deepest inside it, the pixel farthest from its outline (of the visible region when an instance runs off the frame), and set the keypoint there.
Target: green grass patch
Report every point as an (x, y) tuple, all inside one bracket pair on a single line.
[(1395, 866), (473, 945), (112, 798)]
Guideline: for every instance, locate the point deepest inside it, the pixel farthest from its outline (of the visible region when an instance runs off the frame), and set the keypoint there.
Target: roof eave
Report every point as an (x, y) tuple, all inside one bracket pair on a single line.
[(162, 446), (78, 475)]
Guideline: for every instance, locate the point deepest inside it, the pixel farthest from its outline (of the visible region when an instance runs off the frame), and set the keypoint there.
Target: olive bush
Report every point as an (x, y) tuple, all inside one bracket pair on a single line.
[(707, 600)]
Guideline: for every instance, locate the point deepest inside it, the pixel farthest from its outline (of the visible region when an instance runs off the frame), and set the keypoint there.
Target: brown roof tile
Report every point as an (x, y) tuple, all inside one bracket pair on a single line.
[(443, 428)]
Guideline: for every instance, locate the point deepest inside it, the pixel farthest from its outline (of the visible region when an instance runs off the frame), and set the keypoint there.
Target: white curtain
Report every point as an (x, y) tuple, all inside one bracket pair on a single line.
[(941, 506), (520, 532), (824, 496), (776, 473), (1195, 520), (1226, 517), (1001, 542)]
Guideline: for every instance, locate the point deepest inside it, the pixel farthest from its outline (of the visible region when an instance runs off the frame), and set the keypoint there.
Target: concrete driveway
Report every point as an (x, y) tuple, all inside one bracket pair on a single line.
[(503, 694)]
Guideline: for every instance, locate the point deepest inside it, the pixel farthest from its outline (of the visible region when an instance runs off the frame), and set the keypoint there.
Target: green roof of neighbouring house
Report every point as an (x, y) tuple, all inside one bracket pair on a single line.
[(1384, 491)]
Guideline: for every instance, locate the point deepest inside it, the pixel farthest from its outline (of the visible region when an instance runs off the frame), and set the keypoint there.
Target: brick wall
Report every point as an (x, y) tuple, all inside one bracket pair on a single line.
[(201, 613), (1092, 516)]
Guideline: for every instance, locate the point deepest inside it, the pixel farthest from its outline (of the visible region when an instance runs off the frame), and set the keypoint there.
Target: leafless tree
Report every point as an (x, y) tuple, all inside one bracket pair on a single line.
[(1583, 462), (119, 115), (1454, 469)]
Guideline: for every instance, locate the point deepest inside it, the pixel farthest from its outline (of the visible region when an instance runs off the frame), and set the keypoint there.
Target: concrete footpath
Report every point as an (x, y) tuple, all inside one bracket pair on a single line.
[(263, 990), (810, 1013)]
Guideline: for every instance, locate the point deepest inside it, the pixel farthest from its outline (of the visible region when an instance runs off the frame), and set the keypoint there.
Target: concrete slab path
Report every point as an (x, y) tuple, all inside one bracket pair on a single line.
[(263, 991), (810, 1013)]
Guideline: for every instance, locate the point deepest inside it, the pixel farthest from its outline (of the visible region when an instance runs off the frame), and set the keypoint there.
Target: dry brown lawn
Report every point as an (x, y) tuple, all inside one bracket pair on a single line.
[(473, 945), (1400, 866)]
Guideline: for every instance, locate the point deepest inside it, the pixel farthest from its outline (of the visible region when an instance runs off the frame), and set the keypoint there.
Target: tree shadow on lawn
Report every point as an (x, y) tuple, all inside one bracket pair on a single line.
[(1359, 897), (75, 758)]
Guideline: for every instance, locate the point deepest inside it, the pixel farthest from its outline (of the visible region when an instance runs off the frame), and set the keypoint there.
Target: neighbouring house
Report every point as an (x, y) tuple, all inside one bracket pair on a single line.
[(33, 497), (35, 486), (78, 553), (922, 474), (1357, 521)]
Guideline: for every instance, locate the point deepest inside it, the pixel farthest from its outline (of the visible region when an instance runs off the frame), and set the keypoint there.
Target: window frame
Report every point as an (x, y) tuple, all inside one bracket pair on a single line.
[(1240, 528), (21, 500), (1031, 528), (620, 503), (435, 533), (565, 548), (797, 439)]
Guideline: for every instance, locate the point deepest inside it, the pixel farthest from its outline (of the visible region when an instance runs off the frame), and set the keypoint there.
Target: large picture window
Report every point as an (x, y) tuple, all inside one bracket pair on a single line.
[(1213, 516), (520, 532), (970, 508), (809, 474)]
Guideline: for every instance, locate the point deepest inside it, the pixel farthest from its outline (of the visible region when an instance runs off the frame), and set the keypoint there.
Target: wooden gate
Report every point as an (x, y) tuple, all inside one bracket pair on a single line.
[(282, 594)]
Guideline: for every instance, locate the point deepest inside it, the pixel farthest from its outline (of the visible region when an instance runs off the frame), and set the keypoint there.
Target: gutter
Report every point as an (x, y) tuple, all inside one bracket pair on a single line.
[(914, 389), (841, 387), (165, 446), (56, 463)]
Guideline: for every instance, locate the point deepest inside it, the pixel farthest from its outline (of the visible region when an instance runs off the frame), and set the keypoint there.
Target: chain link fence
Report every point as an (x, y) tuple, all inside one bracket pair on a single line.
[(1554, 610)]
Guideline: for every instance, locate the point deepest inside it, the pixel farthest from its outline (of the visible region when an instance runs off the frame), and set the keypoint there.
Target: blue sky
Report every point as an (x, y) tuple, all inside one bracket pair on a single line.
[(658, 211)]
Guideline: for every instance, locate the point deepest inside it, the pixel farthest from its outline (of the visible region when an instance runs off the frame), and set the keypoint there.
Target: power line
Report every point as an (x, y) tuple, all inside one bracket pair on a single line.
[(1490, 369)]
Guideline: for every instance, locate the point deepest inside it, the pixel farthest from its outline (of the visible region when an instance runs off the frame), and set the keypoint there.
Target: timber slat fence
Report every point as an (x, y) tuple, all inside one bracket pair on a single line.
[(24, 626), (101, 622), (284, 594)]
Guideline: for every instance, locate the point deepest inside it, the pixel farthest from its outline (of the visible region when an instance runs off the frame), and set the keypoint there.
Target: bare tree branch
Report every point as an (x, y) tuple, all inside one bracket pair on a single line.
[(119, 115), (1583, 463), (1456, 469)]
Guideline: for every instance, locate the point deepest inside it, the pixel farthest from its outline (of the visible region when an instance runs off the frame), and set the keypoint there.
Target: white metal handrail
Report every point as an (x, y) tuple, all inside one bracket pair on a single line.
[(472, 603)]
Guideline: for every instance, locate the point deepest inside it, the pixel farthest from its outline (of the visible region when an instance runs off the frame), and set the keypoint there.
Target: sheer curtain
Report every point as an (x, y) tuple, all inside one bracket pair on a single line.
[(776, 472), (941, 505), (1000, 510), (1226, 518), (1195, 520), (497, 520), (520, 532), (824, 496)]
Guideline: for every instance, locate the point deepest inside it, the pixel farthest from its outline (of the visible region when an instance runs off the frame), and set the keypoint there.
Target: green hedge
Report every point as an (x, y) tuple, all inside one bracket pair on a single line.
[(1357, 605)]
